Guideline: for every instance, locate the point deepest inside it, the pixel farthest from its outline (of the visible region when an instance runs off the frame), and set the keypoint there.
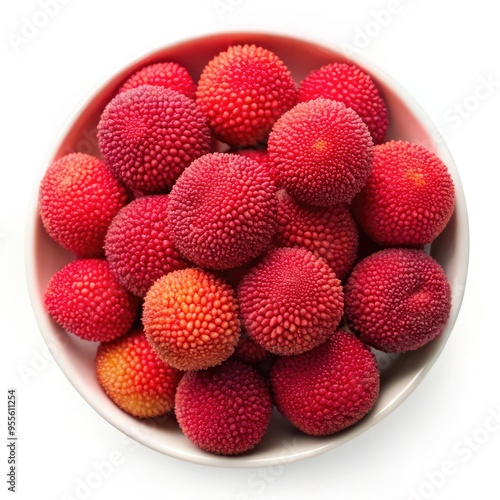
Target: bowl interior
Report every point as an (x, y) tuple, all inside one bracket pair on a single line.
[(282, 443)]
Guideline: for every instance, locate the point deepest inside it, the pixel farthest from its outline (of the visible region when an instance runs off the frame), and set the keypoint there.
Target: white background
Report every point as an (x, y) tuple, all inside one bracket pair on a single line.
[(442, 52)]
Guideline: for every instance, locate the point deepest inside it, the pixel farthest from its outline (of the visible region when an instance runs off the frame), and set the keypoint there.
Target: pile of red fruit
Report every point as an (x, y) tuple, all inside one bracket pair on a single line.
[(224, 217)]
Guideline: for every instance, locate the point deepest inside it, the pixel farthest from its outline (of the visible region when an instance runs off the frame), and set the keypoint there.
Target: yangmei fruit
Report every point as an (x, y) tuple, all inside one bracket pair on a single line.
[(408, 198), (249, 351), (329, 388), (291, 301), (85, 298), (224, 410), (135, 378), (330, 233), (78, 199), (256, 243), (148, 135), (139, 246), (191, 319), (350, 85), (222, 211), (164, 74), (397, 299), (322, 152), (261, 156), (243, 91)]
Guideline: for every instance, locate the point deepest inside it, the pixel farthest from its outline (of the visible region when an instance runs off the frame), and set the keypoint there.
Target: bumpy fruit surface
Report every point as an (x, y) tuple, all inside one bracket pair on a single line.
[(135, 378), (243, 91), (139, 246), (190, 318), (349, 84), (78, 199), (86, 299), (408, 198), (330, 233), (165, 74), (224, 410), (322, 152), (397, 299), (329, 388), (148, 135), (291, 301), (223, 211)]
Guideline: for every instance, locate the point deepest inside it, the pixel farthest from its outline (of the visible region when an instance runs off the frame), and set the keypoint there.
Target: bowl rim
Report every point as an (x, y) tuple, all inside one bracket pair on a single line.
[(44, 322)]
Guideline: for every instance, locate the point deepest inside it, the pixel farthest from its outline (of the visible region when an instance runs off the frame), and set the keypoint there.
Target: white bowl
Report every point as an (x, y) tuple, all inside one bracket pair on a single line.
[(282, 443)]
